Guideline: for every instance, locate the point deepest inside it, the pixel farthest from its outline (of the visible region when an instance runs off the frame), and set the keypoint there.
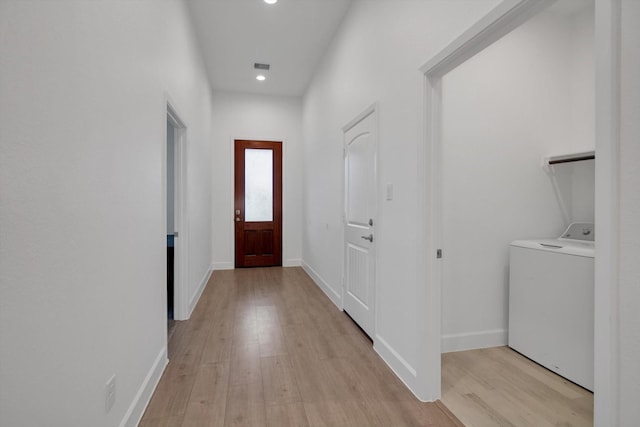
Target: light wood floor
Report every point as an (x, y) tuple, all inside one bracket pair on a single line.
[(265, 347), (499, 387)]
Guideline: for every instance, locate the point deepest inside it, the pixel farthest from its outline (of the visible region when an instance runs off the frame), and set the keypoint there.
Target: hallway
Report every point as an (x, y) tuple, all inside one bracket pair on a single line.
[(265, 347)]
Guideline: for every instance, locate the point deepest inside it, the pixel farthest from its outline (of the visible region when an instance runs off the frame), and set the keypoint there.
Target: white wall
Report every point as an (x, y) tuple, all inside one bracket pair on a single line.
[(259, 117), (629, 267), (82, 201), (376, 57), (503, 110)]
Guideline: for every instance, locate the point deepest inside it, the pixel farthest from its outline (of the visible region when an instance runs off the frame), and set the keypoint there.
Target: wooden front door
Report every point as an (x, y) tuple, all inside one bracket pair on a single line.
[(258, 203)]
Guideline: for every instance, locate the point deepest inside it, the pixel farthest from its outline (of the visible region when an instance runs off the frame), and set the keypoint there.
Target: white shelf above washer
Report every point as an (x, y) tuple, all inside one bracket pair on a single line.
[(569, 158)]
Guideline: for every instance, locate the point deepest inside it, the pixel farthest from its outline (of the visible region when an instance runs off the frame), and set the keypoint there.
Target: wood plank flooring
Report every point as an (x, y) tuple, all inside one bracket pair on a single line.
[(499, 387), (265, 347)]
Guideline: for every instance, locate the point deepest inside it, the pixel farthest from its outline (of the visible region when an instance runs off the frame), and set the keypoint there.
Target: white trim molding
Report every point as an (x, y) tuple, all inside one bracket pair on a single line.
[(334, 296), (503, 19), (223, 265), (395, 361), (193, 301), (607, 128), (474, 340), (134, 414), (292, 263), (357, 119)]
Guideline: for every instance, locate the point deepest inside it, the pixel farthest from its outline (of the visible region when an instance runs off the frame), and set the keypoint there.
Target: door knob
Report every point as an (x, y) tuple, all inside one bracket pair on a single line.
[(369, 237)]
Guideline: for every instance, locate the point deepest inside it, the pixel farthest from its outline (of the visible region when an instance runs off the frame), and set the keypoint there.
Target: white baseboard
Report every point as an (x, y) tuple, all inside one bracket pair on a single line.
[(334, 296), (292, 263), (223, 265), (474, 340), (134, 414), (403, 369), (196, 296)]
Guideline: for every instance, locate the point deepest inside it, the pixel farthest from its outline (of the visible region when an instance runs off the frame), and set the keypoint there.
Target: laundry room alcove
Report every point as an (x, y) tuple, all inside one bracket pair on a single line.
[(526, 97)]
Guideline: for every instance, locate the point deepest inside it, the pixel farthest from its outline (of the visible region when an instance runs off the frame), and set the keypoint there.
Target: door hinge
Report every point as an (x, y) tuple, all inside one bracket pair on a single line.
[(439, 253)]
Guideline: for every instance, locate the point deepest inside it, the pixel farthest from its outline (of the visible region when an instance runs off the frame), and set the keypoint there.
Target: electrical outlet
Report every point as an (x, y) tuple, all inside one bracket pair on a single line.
[(110, 393)]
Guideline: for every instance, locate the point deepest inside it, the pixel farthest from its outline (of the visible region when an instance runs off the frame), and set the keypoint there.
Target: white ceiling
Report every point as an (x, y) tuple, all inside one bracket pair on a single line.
[(291, 35)]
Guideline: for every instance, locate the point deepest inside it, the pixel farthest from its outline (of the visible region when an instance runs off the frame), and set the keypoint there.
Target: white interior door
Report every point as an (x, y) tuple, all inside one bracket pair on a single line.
[(360, 221)]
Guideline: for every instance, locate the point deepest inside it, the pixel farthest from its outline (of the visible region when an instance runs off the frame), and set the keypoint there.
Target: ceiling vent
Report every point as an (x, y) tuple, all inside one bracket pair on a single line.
[(259, 66)]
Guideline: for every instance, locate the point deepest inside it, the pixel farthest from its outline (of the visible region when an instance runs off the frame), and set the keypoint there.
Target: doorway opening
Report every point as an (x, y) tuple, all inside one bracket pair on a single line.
[(177, 231), (258, 203), (171, 159), (500, 21), (526, 96)]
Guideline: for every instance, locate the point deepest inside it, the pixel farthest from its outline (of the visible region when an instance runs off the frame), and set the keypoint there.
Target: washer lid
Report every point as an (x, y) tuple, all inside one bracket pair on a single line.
[(566, 247)]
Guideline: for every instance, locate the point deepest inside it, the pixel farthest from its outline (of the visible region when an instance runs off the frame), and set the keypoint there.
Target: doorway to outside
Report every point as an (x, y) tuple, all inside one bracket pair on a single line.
[(258, 203)]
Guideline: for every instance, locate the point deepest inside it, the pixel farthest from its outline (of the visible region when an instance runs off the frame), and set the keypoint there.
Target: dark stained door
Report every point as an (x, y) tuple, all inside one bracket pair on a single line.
[(258, 203)]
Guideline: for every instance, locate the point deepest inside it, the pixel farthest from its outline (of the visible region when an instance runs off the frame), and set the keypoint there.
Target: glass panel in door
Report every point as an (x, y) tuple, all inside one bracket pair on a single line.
[(258, 182)]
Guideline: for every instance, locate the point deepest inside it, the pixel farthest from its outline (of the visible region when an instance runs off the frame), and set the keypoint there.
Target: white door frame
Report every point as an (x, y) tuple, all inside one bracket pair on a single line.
[(181, 223), (505, 17), (370, 110)]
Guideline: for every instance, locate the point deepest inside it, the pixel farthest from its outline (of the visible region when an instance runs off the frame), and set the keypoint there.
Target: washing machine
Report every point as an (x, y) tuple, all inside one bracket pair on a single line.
[(551, 302)]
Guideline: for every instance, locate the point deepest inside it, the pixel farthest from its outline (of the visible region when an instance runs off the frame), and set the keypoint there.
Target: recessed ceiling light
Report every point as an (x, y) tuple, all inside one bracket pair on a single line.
[(270, 1), (260, 77)]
